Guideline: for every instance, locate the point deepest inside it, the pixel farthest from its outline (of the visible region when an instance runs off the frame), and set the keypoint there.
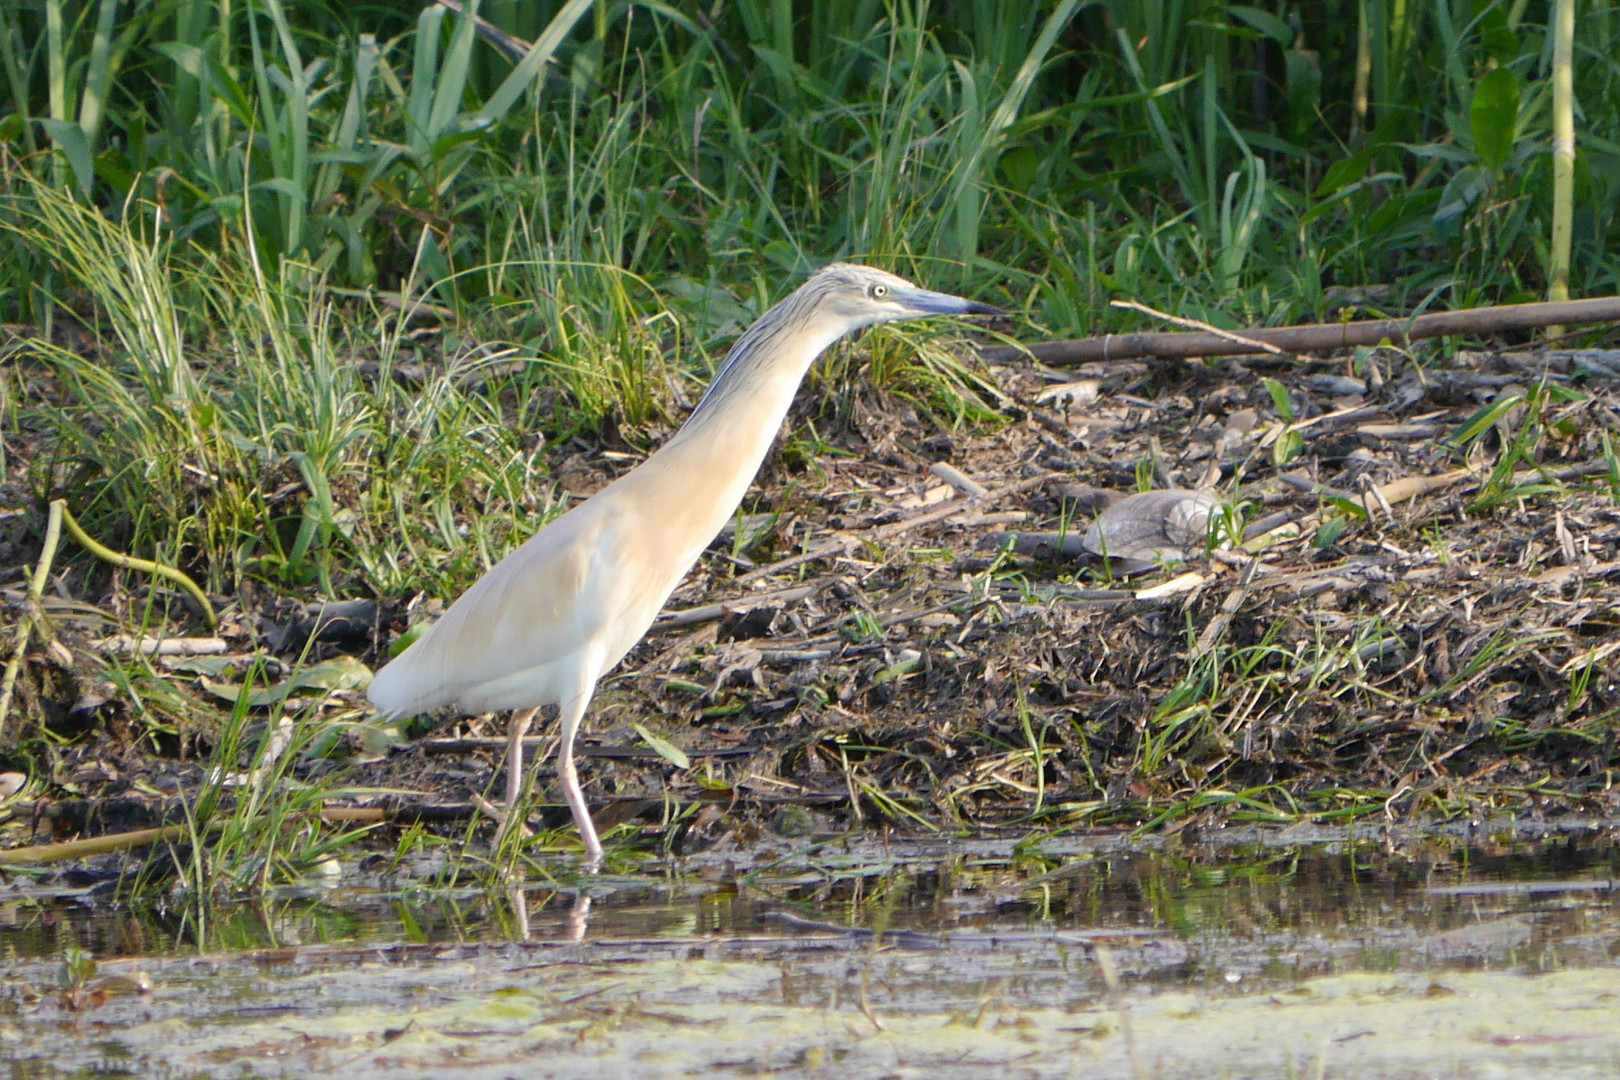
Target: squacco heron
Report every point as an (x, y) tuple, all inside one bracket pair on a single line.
[(559, 612)]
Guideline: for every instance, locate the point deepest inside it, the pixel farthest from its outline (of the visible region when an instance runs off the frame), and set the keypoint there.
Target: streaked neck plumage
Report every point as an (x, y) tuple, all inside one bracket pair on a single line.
[(754, 387)]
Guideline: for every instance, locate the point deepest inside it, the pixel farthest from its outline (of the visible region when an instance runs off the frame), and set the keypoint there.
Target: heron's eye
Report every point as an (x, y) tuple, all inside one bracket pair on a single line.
[(879, 291)]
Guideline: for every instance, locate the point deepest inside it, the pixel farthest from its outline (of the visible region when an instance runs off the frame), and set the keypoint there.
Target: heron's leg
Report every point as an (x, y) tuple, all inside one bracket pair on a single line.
[(572, 713), (514, 754), (519, 725)]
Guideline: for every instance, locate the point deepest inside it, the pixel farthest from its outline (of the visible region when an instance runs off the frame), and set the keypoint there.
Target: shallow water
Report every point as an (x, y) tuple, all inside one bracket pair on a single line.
[(1453, 956)]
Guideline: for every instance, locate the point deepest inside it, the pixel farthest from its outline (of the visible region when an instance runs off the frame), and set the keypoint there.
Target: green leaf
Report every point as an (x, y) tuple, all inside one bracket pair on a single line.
[(1496, 37), (408, 638), (1483, 419), (188, 58), (1019, 166), (214, 666), (452, 76), (1265, 22), (1304, 94), (75, 146), (1328, 533), (1462, 191), (1494, 117), (1348, 506), (895, 671), (424, 75), (1438, 151), (527, 71), (1279, 398), (279, 185), (663, 748), (1288, 447)]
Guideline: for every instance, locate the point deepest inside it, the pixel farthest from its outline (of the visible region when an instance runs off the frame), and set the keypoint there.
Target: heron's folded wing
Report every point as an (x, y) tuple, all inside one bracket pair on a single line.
[(532, 612)]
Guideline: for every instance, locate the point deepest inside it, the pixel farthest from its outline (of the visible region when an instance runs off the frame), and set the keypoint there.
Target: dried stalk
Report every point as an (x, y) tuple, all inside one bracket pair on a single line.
[(1195, 324), (95, 845)]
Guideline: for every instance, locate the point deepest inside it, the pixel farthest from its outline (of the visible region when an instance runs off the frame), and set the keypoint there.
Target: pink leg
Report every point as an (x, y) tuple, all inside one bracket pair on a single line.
[(514, 754), (519, 726), (572, 713)]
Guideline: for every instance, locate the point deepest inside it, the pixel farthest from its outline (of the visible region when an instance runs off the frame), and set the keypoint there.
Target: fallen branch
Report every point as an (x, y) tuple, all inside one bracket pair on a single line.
[(125, 644), (958, 479), (1316, 337), (673, 620)]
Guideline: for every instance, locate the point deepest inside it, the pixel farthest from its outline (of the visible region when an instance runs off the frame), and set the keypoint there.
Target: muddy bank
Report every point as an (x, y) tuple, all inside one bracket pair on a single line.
[(1410, 613)]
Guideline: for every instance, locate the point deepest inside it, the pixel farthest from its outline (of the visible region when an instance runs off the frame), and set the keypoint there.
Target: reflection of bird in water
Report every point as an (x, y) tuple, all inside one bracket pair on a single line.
[(556, 614), (574, 923)]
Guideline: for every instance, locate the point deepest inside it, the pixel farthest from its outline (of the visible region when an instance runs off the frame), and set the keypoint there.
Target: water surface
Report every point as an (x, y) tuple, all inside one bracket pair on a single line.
[(1089, 957)]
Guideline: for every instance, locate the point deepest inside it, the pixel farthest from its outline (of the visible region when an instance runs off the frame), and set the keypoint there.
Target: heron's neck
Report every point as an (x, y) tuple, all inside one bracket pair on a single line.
[(744, 407)]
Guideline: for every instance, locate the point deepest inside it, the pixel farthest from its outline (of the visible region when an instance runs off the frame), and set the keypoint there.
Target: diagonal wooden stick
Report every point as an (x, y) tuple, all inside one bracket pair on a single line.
[(1194, 324)]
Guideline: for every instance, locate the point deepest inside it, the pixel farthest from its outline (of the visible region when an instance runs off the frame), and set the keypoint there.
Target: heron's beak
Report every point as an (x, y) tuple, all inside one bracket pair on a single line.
[(924, 302)]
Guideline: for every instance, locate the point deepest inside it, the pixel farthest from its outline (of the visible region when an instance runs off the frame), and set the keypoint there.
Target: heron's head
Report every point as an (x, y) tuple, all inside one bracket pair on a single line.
[(836, 300), (860, 296)]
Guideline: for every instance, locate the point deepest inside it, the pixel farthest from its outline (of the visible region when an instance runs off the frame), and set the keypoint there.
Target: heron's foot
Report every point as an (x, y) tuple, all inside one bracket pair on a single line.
[(593, 846)]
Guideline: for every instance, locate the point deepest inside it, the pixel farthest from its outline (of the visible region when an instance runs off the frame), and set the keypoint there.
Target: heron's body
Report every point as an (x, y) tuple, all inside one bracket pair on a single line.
[(556, 614)]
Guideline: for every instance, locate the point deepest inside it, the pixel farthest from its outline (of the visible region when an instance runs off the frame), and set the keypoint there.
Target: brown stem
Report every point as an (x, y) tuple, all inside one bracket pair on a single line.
[(1317, 337)]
